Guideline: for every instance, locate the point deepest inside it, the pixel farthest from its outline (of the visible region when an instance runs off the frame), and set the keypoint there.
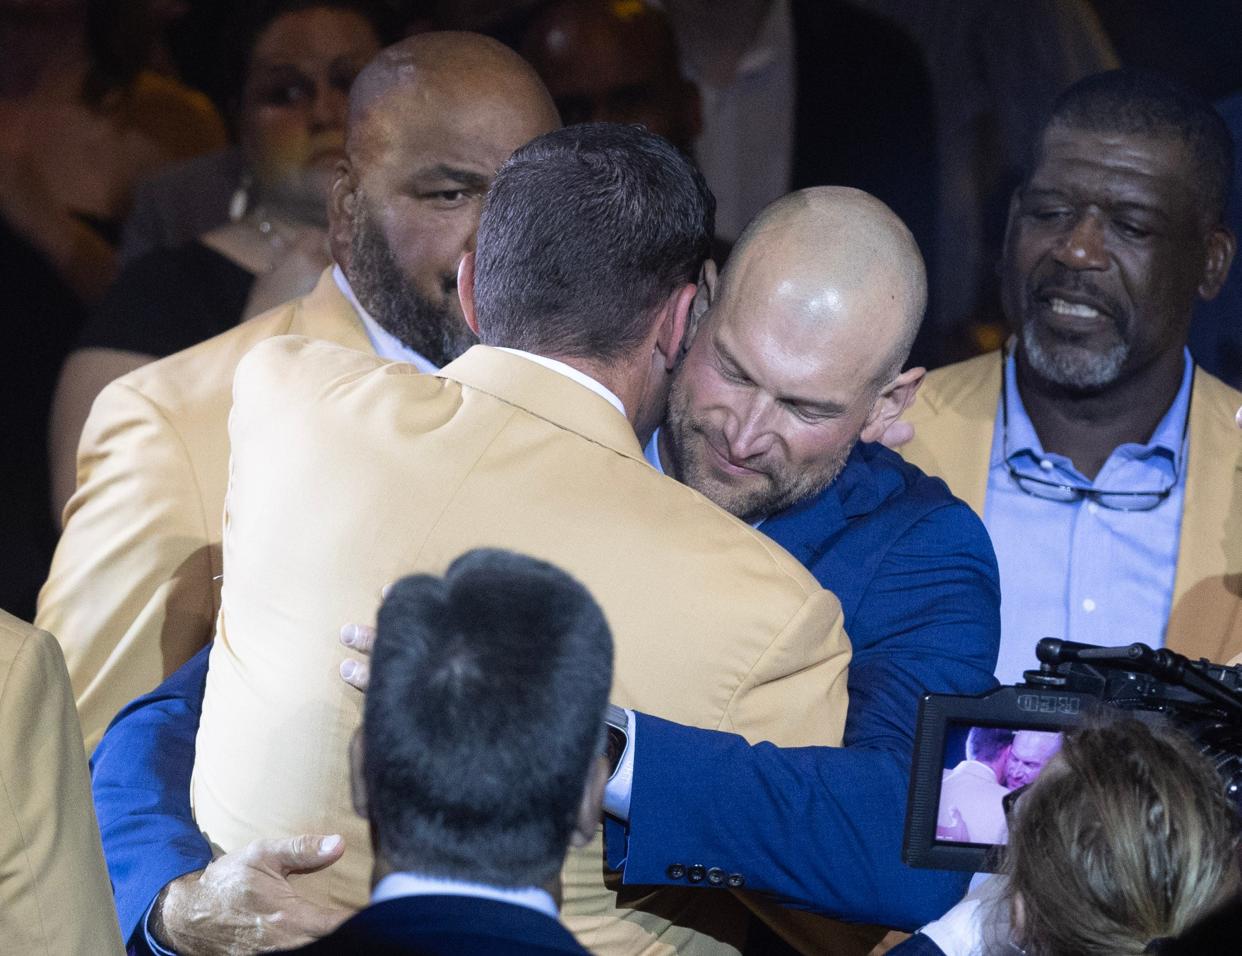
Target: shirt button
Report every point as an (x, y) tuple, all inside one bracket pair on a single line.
[(715, 876), (675, 871), (1092, 507), (696, 873), (736, 880), (1088, 605), (1045, 464)]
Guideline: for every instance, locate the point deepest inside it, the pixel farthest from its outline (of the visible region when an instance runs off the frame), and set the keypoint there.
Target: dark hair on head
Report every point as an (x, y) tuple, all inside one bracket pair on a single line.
[(237, 43), (1140, 102), (484, 712), (1129, 837), (987, 743), (585, 230)]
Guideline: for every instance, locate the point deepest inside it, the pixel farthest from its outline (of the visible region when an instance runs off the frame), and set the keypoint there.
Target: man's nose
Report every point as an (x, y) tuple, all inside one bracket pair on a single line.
[(1083, 247), (329, 107), (751, 432)]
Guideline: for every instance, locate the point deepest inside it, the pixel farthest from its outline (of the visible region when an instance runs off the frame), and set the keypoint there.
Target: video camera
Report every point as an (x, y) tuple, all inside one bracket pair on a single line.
[(955, 817)]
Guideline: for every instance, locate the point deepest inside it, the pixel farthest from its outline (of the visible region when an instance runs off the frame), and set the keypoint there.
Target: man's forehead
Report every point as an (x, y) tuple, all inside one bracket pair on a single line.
[(787, 356), (414, 133), (1070, 156)]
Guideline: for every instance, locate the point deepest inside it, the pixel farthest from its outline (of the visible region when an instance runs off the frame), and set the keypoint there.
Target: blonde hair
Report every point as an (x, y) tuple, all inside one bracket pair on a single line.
[(1125, 838)]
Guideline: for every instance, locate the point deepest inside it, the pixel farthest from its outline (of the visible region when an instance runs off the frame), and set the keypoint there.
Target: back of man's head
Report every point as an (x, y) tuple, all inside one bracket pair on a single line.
[(483, 717), (988, 744), (1139, 102), (584, 232)]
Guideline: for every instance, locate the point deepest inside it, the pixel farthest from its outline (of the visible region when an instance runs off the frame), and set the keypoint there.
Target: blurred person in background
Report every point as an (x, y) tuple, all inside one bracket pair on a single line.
[(81, 120), (295, 62), (1126, 844)]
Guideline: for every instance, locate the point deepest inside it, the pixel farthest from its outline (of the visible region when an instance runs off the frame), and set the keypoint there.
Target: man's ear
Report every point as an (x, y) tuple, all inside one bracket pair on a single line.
[(891, 403), (357, 782), (591, 809), (673, 324), (465, 290), (704, 298), (342, 208), (1221, 246)]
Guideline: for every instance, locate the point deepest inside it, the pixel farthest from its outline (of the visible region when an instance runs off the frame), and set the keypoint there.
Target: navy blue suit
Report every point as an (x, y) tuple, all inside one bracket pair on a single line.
[(446, 926), (818, 828), (821, 827)]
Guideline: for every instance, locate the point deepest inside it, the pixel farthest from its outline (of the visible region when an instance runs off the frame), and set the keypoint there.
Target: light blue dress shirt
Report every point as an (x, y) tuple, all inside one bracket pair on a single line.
[(1076, 570)]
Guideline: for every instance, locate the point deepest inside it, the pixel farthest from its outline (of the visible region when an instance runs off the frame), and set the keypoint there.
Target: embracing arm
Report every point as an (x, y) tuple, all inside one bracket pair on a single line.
[(160, 862), (130, 593), (140, 779), (821, 828)]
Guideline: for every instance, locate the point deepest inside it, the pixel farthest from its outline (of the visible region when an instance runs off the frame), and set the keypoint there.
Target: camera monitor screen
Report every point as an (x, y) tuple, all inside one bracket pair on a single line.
[(982, 767), (973, 755)]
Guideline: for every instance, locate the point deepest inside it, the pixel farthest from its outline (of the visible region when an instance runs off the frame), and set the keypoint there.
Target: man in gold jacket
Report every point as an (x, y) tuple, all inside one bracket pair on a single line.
[(54, 894), (347, 472), (134, 587), (1105, 466)]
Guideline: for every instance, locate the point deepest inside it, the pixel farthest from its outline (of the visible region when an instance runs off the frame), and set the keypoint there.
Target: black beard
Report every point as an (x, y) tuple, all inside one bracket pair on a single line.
[(428, 328)]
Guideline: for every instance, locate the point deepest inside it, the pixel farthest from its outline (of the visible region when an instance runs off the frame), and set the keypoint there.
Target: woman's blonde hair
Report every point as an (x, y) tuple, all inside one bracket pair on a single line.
[(1127, 837)]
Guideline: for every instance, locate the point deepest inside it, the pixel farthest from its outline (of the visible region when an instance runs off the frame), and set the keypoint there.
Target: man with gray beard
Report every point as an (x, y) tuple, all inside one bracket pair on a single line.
[(1105, 466)]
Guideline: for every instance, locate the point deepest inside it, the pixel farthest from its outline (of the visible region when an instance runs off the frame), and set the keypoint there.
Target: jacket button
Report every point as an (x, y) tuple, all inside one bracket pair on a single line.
[(736, 880), (675, 871), (696, 873), (716, 876)]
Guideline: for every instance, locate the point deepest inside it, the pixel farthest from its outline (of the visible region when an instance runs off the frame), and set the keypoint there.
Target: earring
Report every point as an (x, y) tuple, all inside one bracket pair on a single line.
[(239, 202)]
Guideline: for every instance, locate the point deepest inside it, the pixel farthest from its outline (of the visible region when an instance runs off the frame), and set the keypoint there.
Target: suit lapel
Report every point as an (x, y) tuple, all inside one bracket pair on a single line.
[(1206, 615), (953, 421), (326, 314), (546, 394)]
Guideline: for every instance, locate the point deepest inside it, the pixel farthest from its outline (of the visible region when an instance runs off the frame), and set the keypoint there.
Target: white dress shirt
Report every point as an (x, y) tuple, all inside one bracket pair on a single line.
[(396, 885), (386, 345)]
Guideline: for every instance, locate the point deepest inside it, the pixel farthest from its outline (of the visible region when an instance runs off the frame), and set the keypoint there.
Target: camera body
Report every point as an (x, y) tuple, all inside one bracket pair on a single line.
[(1075, 682)]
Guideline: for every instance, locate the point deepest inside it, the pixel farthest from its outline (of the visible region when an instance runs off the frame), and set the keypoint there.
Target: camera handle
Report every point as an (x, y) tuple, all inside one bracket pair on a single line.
[(1167, 665)]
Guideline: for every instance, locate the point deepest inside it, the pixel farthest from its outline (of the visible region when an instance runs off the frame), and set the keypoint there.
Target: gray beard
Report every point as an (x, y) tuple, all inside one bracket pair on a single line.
[(391, 300), (1064, 364)]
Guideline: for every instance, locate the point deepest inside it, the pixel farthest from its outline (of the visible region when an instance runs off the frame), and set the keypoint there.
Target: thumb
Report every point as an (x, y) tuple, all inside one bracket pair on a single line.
[(300, 854)]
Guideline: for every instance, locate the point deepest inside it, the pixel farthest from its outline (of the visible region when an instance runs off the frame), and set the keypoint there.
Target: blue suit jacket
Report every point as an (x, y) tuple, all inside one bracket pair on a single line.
[(819, 828), (447, 926)]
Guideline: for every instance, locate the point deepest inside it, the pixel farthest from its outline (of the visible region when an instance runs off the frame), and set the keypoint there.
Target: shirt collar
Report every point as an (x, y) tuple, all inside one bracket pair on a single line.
[(1168, 437), (652, 453), (415, 884), (386, 345), (572, 373)]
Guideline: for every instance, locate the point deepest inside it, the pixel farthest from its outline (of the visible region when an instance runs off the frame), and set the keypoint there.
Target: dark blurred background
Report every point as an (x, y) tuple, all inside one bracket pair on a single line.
[(133, 131)]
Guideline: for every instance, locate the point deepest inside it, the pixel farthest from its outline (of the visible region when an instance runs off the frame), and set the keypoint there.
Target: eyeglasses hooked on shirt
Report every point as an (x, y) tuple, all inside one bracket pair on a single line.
[(1046, 486)]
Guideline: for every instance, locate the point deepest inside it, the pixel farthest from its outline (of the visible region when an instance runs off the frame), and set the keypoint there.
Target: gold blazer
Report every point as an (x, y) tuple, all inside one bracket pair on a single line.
[(133, 590), (953, 419), (55, 899), (348, 472)]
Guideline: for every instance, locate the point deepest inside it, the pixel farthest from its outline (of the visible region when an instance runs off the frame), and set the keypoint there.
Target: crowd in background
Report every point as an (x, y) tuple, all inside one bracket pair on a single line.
[(171, 168), (940, 100)]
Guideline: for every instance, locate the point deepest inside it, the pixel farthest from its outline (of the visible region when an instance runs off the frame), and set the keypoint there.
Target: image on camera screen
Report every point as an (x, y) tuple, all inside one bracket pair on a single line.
[(981, 766)]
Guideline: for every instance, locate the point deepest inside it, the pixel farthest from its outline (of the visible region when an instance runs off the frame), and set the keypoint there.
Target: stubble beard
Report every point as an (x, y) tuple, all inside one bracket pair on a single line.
[(768, 493), (432, 329)]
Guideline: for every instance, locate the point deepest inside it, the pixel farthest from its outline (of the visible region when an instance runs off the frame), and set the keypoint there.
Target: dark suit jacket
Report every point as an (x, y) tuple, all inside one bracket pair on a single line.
[(446, 926), (820, 828)]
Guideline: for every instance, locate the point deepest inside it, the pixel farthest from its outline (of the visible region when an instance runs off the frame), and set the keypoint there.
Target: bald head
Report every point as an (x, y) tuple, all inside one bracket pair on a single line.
[(464, 68), (848, 259), (431, 120), (799, 353)]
